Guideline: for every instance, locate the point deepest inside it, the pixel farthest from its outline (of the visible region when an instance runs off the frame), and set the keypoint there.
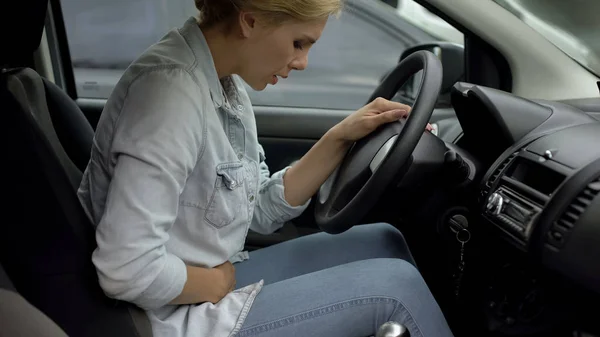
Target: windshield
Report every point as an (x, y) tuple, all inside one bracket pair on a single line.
[(571, 25), (419, 16)]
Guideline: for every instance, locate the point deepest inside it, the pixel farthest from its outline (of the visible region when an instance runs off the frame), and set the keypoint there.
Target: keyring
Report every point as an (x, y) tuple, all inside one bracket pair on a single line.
[(463, 236)]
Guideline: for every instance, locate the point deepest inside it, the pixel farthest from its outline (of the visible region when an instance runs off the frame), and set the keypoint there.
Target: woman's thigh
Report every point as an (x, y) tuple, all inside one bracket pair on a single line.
[(319, 251), (350, 300)]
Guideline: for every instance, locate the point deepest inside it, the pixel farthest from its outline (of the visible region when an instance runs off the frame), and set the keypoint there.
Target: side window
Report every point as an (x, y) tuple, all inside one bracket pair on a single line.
[(355, 52), (106, 36)]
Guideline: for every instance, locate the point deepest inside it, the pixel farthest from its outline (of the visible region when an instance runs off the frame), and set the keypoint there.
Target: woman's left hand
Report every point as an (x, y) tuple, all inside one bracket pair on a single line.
[(370, 117), (303, 179)]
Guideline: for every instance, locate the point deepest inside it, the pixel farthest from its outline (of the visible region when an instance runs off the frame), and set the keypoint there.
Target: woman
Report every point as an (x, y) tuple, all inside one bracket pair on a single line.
[(177, 177)]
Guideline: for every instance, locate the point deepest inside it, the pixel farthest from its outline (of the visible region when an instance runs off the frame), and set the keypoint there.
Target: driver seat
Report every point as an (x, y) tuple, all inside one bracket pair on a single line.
[(47, 239)]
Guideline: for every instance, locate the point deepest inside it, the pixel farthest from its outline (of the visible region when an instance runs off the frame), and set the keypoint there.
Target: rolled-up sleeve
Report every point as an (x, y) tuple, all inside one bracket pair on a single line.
[(272, 210), (155, 146)]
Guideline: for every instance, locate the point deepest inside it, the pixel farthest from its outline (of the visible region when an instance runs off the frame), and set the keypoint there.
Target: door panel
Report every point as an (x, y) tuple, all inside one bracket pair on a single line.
[(282, 152), (291, 122)]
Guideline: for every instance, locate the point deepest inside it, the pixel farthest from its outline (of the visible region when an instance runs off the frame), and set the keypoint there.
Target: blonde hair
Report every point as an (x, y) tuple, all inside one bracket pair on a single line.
[(274, 11)]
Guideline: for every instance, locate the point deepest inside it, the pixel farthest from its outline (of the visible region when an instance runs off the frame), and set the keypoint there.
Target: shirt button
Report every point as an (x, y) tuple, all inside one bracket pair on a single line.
[(240, 107), (240, 156), (251, 198)]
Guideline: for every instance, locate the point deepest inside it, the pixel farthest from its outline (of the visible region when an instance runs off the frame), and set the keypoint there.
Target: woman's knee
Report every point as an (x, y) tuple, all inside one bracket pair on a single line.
[(378, 232), (384, 238), (391, 275), (384, 230)]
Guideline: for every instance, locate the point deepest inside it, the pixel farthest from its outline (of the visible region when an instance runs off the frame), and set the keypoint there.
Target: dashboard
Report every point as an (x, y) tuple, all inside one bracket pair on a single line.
[(541, 188)]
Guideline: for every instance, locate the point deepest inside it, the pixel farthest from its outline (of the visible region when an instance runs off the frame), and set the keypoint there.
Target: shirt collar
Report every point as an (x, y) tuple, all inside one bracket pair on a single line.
[(197, 42)]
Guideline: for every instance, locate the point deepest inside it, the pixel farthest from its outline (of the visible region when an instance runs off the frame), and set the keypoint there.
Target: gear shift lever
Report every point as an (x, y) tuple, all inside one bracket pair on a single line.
[(392, 329)]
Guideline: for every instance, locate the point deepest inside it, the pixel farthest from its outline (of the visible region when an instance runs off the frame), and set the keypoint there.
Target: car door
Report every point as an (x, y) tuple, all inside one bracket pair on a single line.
[(345, 67)]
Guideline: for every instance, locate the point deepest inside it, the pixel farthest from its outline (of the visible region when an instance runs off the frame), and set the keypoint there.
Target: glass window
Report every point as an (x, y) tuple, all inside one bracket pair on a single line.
[(345, 66)]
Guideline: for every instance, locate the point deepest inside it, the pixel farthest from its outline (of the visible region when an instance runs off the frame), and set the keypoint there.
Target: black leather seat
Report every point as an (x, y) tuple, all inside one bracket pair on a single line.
[(46, 240)]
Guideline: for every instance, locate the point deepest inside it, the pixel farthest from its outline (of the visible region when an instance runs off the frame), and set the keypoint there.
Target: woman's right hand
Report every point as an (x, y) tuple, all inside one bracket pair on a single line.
[(207, 284), (227, 276)]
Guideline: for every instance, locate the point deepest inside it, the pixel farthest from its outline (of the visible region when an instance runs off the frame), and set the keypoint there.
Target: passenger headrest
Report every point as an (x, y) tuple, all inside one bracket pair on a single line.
[(21, 27)]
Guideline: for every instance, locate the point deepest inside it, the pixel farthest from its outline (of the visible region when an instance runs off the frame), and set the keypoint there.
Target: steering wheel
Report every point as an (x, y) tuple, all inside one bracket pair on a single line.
[(373, 162)]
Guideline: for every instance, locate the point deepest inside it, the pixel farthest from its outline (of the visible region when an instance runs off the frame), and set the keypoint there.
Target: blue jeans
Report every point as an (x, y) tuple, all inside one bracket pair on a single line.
[(339, 285)]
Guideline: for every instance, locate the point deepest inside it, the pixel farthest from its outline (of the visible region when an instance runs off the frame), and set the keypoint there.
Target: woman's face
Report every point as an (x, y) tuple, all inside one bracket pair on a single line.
[(271, 52)]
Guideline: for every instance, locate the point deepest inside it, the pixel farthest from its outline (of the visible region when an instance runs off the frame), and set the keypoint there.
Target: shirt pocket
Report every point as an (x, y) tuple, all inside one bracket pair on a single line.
[(228, 201)]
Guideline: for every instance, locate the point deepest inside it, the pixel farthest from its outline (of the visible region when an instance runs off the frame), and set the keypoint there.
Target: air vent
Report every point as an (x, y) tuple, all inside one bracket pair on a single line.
[(564, 225), (502, 167), (496, 174)]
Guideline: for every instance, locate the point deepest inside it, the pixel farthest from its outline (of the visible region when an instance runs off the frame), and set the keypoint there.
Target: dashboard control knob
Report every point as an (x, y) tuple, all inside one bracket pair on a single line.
[(495, 203)]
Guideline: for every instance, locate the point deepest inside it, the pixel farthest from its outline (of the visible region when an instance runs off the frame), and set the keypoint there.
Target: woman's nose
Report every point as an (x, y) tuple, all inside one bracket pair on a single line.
[(300, 63)]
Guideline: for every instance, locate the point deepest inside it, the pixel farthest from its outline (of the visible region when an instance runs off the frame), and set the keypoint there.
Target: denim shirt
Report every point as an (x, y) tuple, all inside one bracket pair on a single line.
[(177, 177)]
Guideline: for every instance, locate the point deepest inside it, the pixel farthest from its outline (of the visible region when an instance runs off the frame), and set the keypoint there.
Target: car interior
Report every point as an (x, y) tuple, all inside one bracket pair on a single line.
[(500, 205)]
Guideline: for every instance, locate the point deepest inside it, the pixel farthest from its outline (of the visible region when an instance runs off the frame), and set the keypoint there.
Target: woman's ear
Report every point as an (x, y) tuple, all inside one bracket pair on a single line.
[(247, 23)]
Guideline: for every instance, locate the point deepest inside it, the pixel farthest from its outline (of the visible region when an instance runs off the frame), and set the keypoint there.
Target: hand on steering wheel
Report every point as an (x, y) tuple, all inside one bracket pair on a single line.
[(367, 119), (373, 162), (370, 117)]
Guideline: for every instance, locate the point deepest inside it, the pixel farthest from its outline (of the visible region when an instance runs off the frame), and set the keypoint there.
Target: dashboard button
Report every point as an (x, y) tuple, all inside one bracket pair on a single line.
[(556, 239), (557, 236)]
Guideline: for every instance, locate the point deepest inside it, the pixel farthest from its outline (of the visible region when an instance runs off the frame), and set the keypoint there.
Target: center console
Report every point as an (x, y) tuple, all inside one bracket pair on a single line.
[(543, 196), (516, 193)]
